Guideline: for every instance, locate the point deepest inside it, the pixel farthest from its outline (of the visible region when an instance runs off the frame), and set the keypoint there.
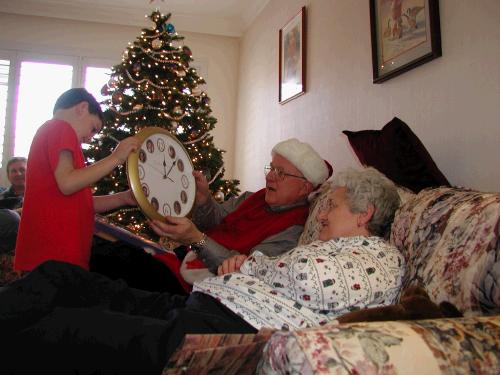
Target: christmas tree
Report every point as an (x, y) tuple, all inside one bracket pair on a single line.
[(154, 86)]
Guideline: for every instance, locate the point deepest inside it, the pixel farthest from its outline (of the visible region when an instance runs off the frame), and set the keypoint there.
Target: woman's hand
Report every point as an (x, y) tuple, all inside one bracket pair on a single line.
[(179, 229), (232, 264)]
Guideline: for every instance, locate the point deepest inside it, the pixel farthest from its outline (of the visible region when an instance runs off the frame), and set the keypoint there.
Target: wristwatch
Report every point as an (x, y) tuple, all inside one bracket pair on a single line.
[(197, 246)]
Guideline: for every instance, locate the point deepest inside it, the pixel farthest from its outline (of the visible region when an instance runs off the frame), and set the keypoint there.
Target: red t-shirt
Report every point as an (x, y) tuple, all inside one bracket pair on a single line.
[(53, 225)]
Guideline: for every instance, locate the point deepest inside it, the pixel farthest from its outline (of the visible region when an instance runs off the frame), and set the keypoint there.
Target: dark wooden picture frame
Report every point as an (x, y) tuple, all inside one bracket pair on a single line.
[(292, 58), (404, 35)]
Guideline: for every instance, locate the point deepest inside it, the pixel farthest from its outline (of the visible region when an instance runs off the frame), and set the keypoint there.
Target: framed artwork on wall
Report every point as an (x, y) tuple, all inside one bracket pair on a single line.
[(404, 34), (292, 58)]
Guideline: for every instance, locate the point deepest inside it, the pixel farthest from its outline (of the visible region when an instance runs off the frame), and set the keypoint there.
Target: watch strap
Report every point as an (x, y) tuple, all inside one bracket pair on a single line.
[(196, 246)]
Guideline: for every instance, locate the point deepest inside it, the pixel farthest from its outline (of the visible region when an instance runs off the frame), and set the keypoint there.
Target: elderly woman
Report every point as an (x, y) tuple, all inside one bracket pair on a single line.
[(133, 331)]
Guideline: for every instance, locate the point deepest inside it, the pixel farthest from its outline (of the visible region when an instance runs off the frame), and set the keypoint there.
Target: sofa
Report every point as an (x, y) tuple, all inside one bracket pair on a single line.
[(450, 239)]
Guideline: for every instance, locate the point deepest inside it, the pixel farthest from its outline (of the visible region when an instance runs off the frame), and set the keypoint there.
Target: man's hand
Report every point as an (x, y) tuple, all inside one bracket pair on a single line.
[(202, 191), (232, 264), (179, 229)]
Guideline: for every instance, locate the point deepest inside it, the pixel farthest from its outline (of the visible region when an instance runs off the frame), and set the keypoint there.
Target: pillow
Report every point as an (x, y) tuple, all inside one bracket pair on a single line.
[(449, 238), (398, 153)]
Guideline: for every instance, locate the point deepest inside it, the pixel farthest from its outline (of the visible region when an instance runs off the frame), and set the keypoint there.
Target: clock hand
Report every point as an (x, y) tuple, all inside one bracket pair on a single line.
[(164, 167), (175, 161)]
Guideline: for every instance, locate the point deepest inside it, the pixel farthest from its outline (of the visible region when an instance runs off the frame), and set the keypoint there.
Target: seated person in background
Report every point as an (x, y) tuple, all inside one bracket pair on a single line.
[(271, 219), (11, 201), (58, 211), (133, 331)]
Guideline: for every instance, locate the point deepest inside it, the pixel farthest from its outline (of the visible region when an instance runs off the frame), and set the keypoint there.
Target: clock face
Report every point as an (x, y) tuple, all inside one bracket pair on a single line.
[(161, 175)]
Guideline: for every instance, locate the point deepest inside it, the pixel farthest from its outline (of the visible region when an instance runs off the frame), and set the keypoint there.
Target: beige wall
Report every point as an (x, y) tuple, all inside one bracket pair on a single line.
[(451, 103), (218, 57)]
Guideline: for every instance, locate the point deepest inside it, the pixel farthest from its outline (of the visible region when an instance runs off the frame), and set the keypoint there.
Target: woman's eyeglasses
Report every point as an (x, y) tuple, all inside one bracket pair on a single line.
[(279, 173)]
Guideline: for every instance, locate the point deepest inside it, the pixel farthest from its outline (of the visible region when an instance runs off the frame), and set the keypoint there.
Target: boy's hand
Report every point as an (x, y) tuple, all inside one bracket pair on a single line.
[(125, 147)]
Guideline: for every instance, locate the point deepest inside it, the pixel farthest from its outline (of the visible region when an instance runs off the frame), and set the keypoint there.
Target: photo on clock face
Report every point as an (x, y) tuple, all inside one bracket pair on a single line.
[(180, 165), (184, 181), (177, 207), (145, 189), (150, 146), (167, 210), (155, 204), (161, 144), (142, 156), (171, 152), (141, 172), (184, 197)]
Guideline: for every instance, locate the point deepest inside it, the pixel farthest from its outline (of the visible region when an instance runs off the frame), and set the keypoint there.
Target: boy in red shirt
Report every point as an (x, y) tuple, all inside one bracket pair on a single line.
[(58, 212)]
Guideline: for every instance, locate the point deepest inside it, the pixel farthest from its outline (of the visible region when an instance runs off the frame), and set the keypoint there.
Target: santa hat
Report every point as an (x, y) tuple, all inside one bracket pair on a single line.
[(305, 159)]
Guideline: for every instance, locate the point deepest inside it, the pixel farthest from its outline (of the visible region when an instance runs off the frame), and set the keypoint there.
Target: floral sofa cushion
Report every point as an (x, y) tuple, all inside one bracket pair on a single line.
[(450, 239), (440, 346)]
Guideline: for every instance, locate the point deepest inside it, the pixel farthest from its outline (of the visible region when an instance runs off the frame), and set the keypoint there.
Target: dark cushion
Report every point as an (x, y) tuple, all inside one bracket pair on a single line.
[(398, 153)]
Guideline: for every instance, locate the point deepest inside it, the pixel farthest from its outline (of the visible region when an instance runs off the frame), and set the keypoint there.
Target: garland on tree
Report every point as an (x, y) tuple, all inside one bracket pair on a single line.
[(154, 86)]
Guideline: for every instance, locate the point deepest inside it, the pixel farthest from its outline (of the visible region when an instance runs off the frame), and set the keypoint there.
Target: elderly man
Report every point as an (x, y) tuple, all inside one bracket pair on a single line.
[(11, 201), (271, 219)]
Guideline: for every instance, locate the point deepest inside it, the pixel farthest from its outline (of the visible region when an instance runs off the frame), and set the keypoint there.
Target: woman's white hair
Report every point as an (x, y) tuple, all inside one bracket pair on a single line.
[(369, 186)]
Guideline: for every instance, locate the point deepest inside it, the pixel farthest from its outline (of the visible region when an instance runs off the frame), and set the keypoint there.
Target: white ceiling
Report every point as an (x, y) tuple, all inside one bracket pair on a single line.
[(221, 17)]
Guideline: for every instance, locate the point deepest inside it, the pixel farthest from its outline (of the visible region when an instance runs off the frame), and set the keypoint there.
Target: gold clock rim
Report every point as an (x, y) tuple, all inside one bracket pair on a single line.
[(133, 173)]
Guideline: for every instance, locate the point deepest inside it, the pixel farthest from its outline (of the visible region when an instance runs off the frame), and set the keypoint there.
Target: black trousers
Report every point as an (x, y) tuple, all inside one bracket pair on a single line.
[(61, 319), (120, 260)]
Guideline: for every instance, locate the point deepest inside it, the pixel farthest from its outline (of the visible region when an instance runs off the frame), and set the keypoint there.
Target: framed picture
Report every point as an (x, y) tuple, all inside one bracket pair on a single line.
[(292, 64), (405, 34)]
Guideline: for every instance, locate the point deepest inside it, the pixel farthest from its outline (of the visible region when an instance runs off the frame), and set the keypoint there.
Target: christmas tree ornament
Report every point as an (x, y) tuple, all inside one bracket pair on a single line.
[(117, 97), (180, 72), (105, 90), (177, 110), (187, 51), (205, 100), (138, 107), (136, 68), (169, 28), (196, 91), (157, 43), (219, 196)]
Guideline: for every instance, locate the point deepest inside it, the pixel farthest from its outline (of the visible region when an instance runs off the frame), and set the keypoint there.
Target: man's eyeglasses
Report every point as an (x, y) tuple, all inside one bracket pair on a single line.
[(279, 173)]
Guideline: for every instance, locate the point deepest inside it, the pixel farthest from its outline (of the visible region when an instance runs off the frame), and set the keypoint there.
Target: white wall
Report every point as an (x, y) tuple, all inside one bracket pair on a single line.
[(218, 56), (451, 103)]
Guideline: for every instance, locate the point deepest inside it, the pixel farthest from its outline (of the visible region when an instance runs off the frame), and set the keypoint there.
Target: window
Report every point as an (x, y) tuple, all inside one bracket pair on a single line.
[(95, 78), (4, 89), (37, 81), (40, 85)]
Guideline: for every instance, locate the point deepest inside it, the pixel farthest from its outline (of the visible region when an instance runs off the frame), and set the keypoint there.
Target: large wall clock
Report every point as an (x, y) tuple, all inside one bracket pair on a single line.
[(160, 175)]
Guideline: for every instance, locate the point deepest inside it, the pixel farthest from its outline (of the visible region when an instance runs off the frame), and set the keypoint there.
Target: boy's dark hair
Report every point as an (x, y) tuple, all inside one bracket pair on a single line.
[(75, 96)]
